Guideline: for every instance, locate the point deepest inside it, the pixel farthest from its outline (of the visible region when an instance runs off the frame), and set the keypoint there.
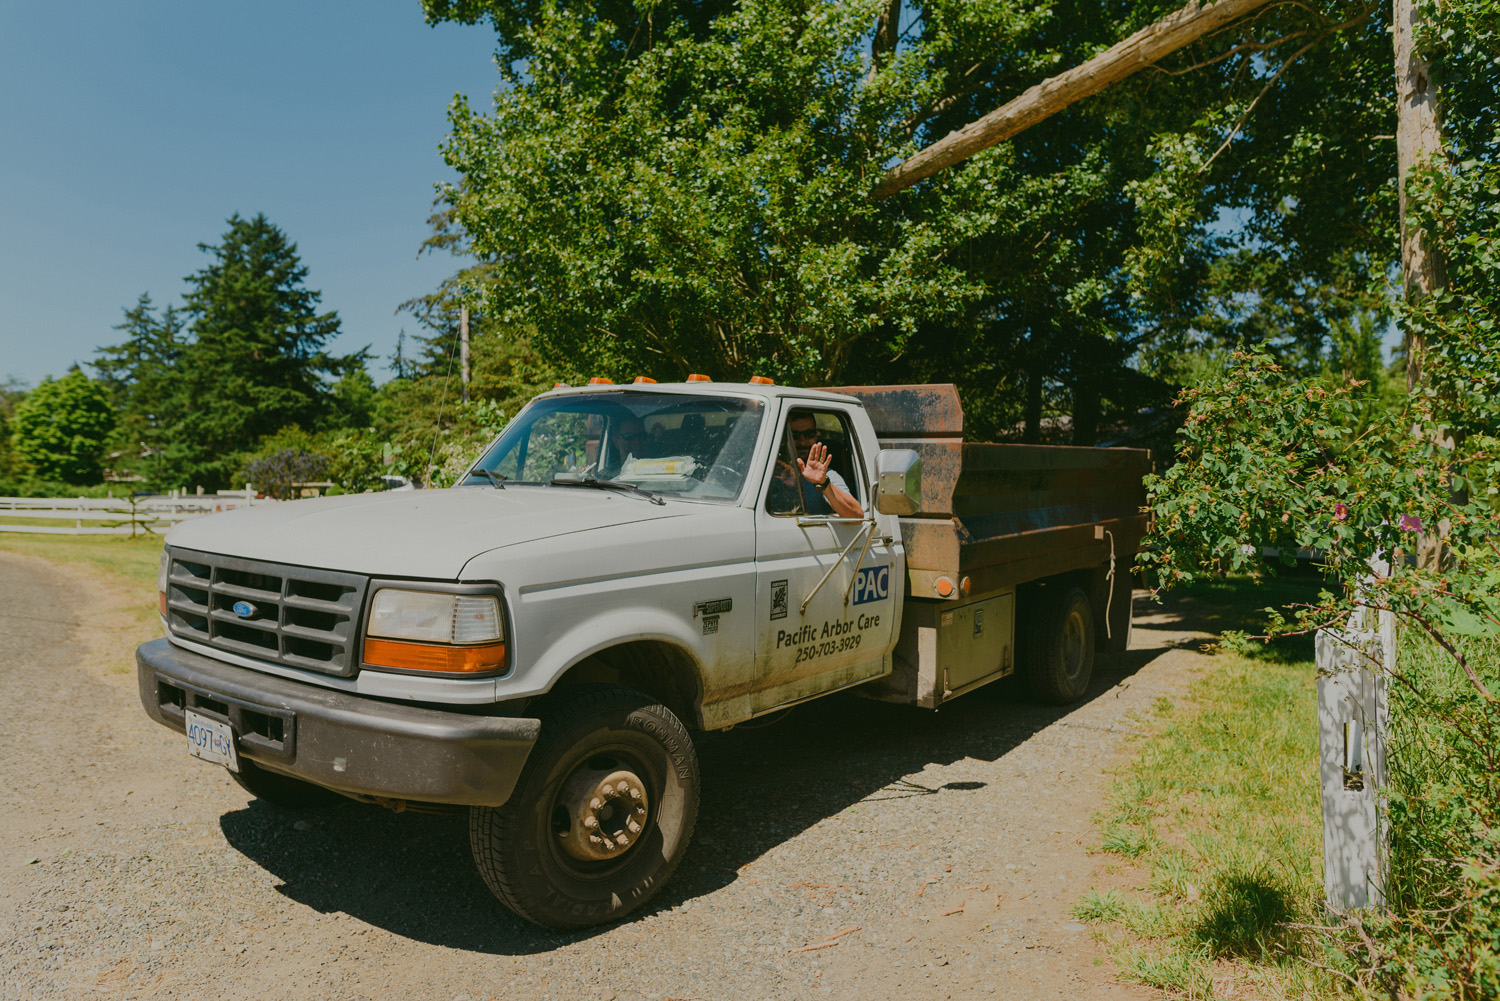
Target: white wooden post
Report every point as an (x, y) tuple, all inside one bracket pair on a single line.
[(1354, 664)]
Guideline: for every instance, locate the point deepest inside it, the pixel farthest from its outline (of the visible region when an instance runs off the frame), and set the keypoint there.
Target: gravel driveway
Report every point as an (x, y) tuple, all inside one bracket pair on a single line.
[(848, 850)]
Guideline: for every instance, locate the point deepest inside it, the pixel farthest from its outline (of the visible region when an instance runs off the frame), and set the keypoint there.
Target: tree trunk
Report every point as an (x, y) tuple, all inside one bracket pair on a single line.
[(1031, 430), (1047, 98), (1418, 140), (887, 34), (1088, 408)]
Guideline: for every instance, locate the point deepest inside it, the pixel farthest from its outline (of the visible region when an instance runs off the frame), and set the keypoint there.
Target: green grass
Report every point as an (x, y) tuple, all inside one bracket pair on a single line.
[(1216, 825), (132, 559)]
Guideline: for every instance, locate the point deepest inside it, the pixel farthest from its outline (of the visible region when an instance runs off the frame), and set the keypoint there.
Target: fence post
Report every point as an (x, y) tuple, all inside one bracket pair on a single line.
[(1354, 663)]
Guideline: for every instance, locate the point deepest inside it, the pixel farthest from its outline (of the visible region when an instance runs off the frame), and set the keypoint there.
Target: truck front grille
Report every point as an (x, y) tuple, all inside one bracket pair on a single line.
[(289, 615)]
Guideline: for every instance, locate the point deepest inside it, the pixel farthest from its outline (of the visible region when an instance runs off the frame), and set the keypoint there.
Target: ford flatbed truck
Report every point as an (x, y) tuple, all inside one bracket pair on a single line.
[(622, 565)]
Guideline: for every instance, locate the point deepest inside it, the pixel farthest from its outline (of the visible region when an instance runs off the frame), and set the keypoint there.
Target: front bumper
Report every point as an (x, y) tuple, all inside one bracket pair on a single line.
[(350, 743)]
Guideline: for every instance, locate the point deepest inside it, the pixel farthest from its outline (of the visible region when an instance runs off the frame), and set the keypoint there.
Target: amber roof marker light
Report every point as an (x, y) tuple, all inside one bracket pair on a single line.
[(599, 380), (761, 380), (698, 377), (644, 378)]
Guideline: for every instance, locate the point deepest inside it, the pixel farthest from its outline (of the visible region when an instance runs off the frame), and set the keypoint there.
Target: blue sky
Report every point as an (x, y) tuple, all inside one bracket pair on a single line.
[(130, 130)]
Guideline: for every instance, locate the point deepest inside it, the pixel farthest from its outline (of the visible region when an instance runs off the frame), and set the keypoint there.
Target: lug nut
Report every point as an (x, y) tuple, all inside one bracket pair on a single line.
[(596, 803), (634, 827), (635, 794), (624, 840), (590, 822), (640, 808), (622, 786), (594, 839)]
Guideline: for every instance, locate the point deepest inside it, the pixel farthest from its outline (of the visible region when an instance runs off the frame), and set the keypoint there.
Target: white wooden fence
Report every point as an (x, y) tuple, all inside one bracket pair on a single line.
[(116, 515)]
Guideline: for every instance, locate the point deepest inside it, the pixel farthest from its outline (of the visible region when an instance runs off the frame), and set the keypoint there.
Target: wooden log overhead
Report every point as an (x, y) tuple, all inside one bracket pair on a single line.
[(1052, 95)]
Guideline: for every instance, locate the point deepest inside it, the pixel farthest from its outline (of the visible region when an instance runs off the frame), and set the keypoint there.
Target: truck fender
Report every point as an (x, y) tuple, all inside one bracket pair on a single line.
[(636, 629)]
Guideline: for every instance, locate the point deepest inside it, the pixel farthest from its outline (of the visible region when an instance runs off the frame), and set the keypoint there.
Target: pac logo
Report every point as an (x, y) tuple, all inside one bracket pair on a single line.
[(872, 584)]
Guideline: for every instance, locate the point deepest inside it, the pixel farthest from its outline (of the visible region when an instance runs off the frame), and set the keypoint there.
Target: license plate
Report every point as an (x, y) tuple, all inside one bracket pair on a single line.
[(212, 741)]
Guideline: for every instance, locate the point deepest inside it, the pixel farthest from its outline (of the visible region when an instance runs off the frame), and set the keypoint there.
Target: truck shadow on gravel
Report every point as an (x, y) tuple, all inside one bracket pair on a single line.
[(764, 783)]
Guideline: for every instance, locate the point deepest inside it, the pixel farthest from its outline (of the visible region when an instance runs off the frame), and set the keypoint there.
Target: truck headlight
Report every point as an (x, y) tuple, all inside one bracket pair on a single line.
[(410, 630), (163, 568)]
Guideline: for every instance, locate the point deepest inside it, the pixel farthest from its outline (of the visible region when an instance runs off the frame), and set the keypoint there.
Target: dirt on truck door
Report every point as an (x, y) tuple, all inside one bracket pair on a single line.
[(827, 587)]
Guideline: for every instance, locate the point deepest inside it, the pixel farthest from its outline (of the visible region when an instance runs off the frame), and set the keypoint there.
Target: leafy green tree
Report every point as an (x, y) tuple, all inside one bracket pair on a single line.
[(703, 191), (1266, 458), (701, 173), (139, 376), (61, 426), (256, 360), (12, 392), (282, 473)]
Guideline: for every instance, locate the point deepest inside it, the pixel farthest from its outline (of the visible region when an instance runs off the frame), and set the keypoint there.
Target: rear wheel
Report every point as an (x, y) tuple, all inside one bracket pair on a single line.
[(1060, 647), (282, 790), (601, 815)]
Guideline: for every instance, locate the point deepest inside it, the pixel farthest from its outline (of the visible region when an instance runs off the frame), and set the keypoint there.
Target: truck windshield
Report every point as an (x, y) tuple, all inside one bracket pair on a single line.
[(697, 447)]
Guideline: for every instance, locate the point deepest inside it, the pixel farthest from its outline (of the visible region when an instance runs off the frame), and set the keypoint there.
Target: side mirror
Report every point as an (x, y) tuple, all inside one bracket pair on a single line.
[(898, 481)]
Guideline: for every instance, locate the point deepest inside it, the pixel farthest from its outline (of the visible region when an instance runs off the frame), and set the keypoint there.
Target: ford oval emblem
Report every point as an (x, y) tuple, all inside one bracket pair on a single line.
[(244, 609)]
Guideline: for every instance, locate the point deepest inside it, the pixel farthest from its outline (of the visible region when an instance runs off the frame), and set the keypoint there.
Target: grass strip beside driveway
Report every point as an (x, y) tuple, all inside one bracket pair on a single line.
[(1214, 839)]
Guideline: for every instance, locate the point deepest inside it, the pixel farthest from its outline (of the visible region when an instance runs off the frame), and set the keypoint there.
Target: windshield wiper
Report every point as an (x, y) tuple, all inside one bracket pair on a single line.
[(598, 484), (498, 479)]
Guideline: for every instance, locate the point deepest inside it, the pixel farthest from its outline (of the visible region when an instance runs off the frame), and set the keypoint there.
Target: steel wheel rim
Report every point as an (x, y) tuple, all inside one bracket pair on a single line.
[(563, 802), (1074, 637)]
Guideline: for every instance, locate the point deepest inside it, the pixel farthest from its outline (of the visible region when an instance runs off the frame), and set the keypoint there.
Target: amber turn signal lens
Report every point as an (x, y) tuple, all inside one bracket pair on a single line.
[(434, 657), (161, 602)]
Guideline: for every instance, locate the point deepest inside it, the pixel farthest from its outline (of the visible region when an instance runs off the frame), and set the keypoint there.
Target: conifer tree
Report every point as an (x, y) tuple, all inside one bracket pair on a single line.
[(257, 360)]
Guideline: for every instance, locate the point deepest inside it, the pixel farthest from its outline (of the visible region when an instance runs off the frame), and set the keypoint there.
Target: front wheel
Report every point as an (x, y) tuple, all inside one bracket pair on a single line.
[(1060, 648), (601, 815)]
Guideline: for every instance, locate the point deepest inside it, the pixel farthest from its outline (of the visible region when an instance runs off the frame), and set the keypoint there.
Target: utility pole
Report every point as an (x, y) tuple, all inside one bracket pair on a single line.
[(463, 349)]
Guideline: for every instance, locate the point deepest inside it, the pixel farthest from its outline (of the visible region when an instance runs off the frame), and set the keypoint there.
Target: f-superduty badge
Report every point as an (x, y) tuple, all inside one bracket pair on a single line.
[(718, 606)]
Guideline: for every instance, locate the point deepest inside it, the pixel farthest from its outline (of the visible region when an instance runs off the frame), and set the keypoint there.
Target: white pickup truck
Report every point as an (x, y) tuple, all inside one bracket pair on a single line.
[(622, 565)]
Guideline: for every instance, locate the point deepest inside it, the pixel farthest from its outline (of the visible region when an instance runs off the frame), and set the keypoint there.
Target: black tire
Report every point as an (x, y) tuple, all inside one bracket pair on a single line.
[(282, 790), (1060, 647), (526, 849)]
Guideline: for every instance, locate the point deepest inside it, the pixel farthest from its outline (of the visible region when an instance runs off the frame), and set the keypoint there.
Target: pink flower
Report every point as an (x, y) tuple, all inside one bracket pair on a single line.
[(1411, 523), (1340, 511)]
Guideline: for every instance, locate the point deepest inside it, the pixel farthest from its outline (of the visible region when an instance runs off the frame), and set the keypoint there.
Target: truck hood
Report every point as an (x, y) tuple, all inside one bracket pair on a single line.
[(427, 533)]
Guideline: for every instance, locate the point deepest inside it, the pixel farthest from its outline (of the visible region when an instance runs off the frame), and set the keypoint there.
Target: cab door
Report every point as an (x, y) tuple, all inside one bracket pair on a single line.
[(827, 587)]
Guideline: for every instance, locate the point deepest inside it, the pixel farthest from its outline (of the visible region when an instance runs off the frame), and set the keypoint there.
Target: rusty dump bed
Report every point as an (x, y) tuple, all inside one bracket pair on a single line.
[(1004, 514)]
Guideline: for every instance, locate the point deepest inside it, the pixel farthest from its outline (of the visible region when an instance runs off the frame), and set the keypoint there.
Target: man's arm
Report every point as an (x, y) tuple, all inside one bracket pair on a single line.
[(815, 470)]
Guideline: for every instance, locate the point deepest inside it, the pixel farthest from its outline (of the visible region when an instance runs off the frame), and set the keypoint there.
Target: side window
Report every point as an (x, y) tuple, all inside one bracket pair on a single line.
[(803, 429)]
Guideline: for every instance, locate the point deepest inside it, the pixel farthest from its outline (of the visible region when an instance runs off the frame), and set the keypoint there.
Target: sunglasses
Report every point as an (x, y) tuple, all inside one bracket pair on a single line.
[(805, 435)]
